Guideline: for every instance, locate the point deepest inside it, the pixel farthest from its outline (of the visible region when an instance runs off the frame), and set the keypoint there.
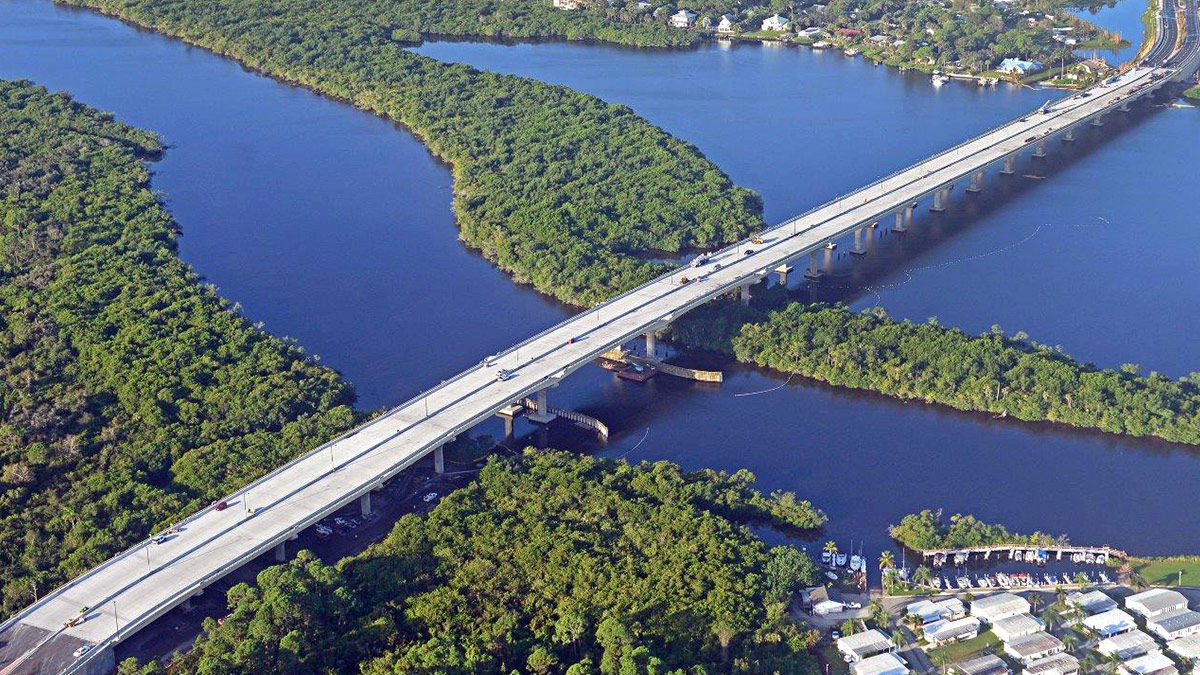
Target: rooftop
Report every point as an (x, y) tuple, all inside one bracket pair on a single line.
[(880, 664), (1156, 599), (1132, 643), (997, 601), (1110, 622), (1177, 620), (1093, 602), (1021, 624), (983, 665), (945, 630), (864, 643), (1033, 644), (1154, 662), (1063, 663), (1187, 647)]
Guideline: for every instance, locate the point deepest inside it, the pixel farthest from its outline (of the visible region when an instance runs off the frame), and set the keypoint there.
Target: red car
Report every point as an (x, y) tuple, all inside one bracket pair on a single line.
[(221, 505)]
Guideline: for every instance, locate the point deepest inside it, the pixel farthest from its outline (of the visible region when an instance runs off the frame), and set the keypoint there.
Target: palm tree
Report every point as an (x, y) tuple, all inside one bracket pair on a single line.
[(831, 547), (922, 575), (1050, 617), (1035, 601), (887, 560), (1088, 663), (1070, 641), (898, 640)]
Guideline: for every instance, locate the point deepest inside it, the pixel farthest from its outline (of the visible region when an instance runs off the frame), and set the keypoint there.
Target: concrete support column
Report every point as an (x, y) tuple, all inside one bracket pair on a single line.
[(281, 552), (1010, 165), (1097, 122), (744, 294), (508, 427), (439, 458), (900, 225), (908, 214), (940, 197), (1124, 106), (1040, 150), (859, 249), (541, 415), (976, 182), (364, 504), (813, 271), (1070, 135), (783, 271), (651, 345)]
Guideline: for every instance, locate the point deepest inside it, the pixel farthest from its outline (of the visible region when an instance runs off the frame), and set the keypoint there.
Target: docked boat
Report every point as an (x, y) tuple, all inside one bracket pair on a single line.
[(840, 561), (831, 576), (851, 52), (826, 557), (936, 582), (856, 562), (821, 44), (938, 79), (636, 372)]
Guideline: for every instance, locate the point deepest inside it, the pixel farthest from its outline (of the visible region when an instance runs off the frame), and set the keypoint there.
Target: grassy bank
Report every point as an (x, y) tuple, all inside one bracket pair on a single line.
[(1166, 571), (130, 392), (1002, 375), (560, 189)]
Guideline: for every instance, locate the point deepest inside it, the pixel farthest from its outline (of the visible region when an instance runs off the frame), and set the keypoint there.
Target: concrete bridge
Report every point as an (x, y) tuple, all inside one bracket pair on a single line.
[(124, 594)]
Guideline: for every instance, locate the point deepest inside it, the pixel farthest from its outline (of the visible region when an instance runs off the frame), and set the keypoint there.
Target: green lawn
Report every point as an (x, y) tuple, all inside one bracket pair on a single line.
[(829, 654), (960, 651), (1165, 571)]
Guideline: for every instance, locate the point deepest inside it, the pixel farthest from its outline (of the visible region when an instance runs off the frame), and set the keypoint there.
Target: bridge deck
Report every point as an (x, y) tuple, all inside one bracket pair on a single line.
[(149, 579)]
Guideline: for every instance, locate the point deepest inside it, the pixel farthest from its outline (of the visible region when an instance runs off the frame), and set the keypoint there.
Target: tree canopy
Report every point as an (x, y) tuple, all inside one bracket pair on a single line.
[(930, 530)]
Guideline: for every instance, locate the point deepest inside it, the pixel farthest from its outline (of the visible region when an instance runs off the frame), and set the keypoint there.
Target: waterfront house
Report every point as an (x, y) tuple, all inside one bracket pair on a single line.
[(1059, 664), (1174, 626), (983, 665), (879, 39), (1019, 66), (812, 32), (726, 26), (850, 32), (880, 664), (1127, 646), (567, 4), (682, 19), (1154, 663), (1013, 627), (945, 632), (1156, 602), (1092, 602), (1033, 647), (930, 611), (863, 645), (776, 23), (1112, 622), (825, 600), (999, 606), (1187, 648)]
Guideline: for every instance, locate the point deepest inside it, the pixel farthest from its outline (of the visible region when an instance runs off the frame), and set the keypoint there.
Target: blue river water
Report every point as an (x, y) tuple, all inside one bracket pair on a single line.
[(334, 227), (1124, 17)]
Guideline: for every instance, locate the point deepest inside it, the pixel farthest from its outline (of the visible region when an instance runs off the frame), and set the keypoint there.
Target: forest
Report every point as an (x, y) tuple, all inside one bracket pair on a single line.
[(548, 563), (930, 530), (130, 392), (559, 189), (1009, 376)]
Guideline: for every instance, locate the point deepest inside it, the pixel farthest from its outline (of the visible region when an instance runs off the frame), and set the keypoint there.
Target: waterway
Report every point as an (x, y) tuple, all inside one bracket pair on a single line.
[(334, 227), (1123, 17)]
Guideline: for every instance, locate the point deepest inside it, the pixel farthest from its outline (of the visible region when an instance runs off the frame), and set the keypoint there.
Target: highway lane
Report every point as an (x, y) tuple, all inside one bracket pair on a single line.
[(134, 588)]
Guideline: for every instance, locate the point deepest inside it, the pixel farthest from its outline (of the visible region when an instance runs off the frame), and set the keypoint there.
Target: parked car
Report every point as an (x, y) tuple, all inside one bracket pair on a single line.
[(429, 497)]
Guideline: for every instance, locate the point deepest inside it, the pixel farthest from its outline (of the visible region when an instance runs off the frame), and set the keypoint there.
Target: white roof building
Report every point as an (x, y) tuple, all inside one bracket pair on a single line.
[(1154, 663), (1156, 602), (726, 24), (1012, 627), (930, 611), (983, 665), (945, 632), (810, 32), (1110, 623), (1127, 645), (862, 645), (682, 19), (882, 664), (825, 601), (1059, 664), (1176, 625), (1092, 602), (1030, 648), (1187, 648), (999, 606), (776, 23)]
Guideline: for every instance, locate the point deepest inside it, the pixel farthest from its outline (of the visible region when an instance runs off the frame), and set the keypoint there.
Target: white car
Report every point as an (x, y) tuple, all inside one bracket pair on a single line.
[(853, 605), (81, 651), (429, 497)]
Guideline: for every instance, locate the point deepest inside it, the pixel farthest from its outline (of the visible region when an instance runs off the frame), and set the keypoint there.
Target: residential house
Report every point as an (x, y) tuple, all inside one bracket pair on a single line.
[(1187, 648), (930, 611), (1013, 627), (1059, 664), (825, 600), (1156, 602), (880, 664), (1174, 626), (1019, 66), (999, 606), (1154, 663), (983, 665), (682, 19), (1092, 602), (1127, 646), (567, 4), (1112, 622), (945, 632), (1033, 647), (726, 25), (863, 645)]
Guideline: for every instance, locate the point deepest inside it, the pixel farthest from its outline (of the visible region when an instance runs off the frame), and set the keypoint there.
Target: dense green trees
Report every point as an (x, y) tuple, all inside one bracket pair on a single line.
[(556, 187), (549, 562), (130, 393), (929, 530), (928, 362)]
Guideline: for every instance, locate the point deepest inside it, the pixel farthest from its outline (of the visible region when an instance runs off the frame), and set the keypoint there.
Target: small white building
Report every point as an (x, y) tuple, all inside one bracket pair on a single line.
[(567, 4), (1013, 627), (1033, 647), (930, 611), (1127, 646), (1174, 626), (881, 664), (726, 25), (1018, 66), (983, 665), (945, 632), (1156, 602), (1092, 602), (682, 19), (860, 646), (812, 32), (1154, 663), (1112, 622), (776, 23), (999, 606), (825, 601), (1059, 664), (1187, 648)]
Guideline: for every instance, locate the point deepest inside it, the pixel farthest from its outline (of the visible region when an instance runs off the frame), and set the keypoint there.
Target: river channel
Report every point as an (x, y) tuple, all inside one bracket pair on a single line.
[(334, 227)]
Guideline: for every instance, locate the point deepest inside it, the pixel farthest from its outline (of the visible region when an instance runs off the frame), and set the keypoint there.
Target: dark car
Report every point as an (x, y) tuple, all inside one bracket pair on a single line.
[(749, 251), (221, 505)]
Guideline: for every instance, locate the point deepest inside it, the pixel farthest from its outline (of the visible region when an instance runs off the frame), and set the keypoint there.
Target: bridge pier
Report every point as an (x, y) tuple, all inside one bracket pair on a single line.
[(901, 216), (281, 552), (813, 271), (509, 413), (364, 504), (744, 294), (541, 415), (859, 249), (1070, 135), (1040, 150), (1097, 122), (651, 345), (1124, 106), (783, 271), (976, 182), (1010, 165), (940, 197), (439, 458)]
